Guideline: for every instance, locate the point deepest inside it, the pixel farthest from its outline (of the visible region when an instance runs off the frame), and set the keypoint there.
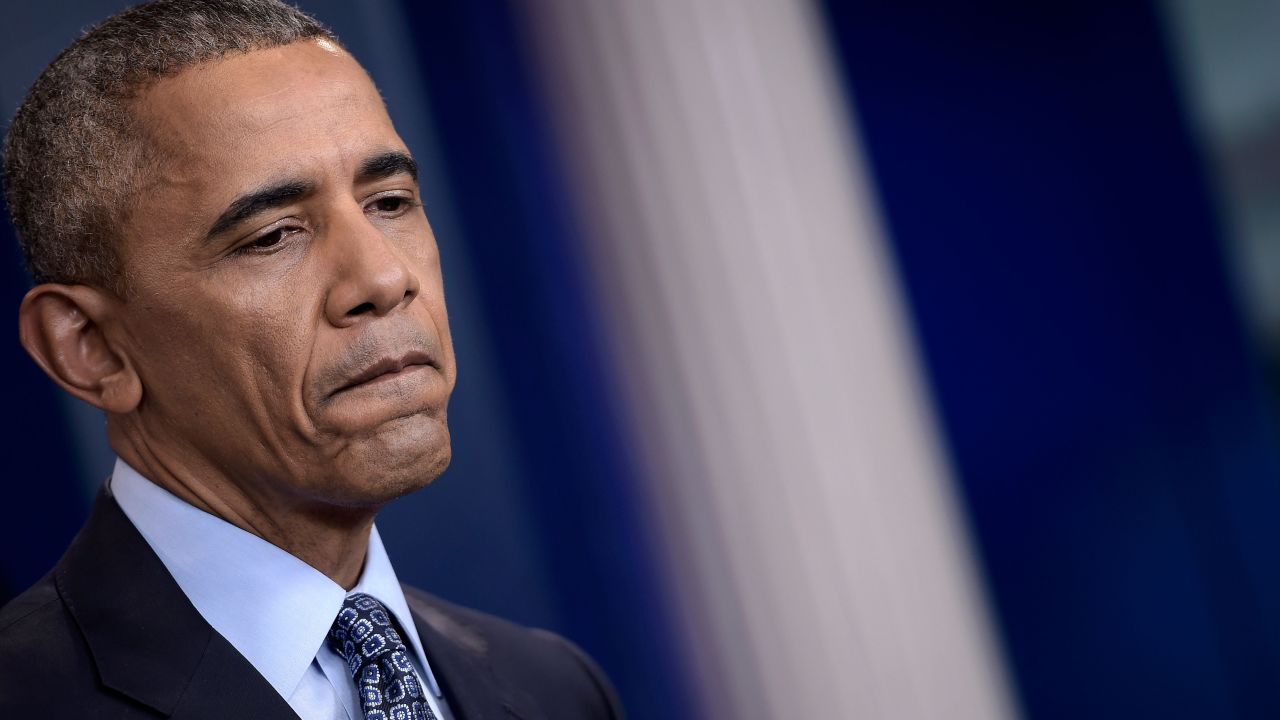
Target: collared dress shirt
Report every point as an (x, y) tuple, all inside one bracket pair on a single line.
[(275, 609)]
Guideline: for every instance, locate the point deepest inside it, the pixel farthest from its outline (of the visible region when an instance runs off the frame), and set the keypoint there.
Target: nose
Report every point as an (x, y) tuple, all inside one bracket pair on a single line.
[(371, 277)]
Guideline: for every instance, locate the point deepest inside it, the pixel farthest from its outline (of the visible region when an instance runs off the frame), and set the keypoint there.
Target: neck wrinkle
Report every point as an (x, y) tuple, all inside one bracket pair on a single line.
[(332, 540)]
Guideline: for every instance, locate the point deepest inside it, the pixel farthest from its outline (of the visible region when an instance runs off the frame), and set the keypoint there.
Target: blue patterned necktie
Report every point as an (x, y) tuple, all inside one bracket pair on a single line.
[(378, 660)]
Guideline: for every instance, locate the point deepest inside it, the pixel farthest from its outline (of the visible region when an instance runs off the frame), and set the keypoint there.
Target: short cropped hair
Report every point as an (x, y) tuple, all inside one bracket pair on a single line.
[(74, 152)]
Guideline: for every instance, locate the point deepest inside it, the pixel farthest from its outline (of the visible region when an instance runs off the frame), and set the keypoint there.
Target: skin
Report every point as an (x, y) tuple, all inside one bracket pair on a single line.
[(224, 371)]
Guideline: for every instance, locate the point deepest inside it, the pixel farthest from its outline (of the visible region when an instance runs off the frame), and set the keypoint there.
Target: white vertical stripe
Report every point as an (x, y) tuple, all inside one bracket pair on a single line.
[(819, 563)]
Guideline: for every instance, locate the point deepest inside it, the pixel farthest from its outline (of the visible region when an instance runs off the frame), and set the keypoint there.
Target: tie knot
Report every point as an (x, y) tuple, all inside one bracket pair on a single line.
[(366, 638), (363, 634)]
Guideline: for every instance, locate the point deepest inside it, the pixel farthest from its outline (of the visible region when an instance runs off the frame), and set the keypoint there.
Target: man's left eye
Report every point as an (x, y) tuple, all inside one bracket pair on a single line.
[(389, 205)]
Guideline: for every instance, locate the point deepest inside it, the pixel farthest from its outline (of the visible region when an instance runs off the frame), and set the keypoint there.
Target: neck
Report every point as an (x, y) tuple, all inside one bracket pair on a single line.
[(330, 539)]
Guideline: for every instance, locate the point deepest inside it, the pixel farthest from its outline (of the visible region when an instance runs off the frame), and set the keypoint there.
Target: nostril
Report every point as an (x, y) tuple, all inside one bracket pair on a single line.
[(362, 309)]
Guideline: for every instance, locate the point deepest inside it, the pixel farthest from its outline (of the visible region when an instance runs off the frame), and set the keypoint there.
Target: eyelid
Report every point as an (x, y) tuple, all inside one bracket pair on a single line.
[(245, 245), (268, 229), (406, 193)]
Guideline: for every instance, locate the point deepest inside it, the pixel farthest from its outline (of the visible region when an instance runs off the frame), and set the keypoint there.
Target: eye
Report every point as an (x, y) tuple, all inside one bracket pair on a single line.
[(268, 241), (390, 205)]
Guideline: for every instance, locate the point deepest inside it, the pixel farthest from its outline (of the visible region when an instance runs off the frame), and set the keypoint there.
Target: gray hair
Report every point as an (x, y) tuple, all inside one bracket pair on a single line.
[(74, 153)]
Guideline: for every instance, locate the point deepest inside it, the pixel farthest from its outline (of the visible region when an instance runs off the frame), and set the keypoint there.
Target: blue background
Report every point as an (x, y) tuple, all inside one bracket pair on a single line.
[(1106, 414)]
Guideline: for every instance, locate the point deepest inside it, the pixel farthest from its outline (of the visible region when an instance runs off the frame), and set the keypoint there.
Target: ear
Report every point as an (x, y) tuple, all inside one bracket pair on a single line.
[(62, 328)]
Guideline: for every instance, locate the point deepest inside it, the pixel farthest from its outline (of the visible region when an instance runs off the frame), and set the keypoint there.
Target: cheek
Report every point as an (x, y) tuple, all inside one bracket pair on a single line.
[(247, 351), (426, 260), (270, 339), (433, 303)]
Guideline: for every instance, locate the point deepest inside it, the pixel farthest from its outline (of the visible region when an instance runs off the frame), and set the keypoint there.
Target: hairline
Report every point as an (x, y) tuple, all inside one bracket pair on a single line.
[(78, 148)]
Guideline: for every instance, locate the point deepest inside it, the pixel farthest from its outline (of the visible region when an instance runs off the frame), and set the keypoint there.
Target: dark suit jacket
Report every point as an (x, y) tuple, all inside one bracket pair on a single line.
[(109, 634)]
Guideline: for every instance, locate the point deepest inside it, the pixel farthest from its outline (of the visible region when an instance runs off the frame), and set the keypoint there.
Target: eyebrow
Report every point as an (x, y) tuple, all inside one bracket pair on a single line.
[(386, 164), (376, 167), (257, 201)]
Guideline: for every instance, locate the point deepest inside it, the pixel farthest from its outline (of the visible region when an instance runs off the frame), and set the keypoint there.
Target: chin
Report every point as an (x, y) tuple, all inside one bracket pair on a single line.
[(399, 457)]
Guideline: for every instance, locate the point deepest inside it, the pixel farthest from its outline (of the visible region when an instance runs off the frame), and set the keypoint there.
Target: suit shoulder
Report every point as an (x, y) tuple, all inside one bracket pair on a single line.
[(33, 614), (559, 674), (41, 649), (36, 625), (33, 600)]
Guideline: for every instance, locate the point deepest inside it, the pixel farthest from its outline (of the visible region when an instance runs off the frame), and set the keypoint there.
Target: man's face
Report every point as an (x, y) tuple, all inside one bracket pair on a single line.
[(286, 315)]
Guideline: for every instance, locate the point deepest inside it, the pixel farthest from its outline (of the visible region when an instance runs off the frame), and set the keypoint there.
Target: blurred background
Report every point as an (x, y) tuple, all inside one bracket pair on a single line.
[(838, 359)]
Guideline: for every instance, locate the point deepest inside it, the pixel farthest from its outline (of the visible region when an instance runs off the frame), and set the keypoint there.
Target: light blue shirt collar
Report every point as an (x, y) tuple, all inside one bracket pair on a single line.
[(275, 609)]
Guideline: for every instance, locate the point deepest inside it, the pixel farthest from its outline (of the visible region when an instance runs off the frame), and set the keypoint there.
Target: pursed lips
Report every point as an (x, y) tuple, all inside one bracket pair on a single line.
[(389, 366)]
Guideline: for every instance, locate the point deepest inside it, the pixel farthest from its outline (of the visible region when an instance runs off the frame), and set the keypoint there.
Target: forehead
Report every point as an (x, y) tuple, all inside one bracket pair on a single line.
[(262, 113)]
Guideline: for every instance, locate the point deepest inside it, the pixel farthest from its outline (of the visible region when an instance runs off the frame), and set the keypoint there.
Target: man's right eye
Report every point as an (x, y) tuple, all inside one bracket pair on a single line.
[(267, 241)]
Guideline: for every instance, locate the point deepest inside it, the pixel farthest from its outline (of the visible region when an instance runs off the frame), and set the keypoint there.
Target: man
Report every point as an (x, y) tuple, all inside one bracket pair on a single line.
[(232, 261)]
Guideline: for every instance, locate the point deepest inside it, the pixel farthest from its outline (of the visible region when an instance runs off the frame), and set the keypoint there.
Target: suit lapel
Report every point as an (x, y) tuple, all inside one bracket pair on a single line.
[(224, 685), (459, 660), (147, 639)]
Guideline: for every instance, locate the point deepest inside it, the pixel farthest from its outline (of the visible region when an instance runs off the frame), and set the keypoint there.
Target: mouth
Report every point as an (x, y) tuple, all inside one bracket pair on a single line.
[(386, 370)]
